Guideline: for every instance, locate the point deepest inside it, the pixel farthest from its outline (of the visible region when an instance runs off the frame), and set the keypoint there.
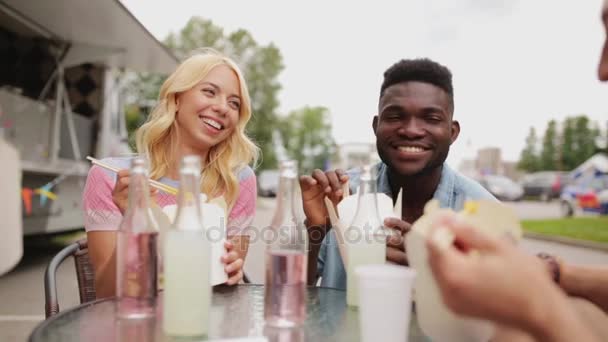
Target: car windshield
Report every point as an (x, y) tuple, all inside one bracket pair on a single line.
[(600, 183)]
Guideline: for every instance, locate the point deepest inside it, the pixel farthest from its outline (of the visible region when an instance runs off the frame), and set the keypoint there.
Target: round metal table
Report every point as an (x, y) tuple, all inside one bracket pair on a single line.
[(236, 311)]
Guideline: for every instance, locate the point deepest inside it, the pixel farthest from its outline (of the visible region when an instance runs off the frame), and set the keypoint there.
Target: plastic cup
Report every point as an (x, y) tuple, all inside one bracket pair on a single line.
[(385, 302)]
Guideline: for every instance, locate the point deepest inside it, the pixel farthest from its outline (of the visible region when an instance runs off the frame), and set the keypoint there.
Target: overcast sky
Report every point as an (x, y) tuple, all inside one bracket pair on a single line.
[(515, 65)]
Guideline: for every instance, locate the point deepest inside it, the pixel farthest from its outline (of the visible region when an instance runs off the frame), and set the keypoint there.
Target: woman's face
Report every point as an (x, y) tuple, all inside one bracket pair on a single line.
[(208, 113)]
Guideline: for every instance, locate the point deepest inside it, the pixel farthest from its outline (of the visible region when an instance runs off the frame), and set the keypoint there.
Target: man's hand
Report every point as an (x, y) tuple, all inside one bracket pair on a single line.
[(395, 244), (314, 189)]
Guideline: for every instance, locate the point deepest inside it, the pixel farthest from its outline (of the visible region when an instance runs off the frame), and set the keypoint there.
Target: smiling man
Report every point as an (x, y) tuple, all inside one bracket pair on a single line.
[(414, 130)]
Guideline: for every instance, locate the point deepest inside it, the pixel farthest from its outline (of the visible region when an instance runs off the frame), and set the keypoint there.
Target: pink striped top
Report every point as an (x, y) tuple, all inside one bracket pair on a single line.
[(100, 212)]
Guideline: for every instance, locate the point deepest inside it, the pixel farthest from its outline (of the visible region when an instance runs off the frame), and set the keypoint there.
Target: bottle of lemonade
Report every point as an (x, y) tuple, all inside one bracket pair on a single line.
[(187, 261), (366, 235)]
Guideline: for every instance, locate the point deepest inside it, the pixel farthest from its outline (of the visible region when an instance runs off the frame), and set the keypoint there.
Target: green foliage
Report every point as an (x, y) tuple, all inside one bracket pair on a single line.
[(602, 138), (261, 66), (578, 140), (549, 155), (306, 133), (529, 160), (568, 148), (135, 116), (144, 87)]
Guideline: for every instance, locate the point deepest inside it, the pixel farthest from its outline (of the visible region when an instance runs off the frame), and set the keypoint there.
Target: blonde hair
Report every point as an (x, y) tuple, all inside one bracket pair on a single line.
[(157, 138)]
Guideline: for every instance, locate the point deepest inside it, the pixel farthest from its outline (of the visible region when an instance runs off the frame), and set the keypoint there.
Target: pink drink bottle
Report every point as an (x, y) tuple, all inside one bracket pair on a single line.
[(137, 250), (286, 257)]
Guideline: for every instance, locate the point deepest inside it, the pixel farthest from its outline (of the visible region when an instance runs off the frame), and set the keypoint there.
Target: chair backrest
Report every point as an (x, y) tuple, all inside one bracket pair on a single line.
[(84, 272), (84, 275)]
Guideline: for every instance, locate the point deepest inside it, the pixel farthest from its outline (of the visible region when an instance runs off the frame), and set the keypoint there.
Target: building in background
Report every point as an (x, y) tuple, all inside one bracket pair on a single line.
[(510, 170), (488, 161), (468, 168)]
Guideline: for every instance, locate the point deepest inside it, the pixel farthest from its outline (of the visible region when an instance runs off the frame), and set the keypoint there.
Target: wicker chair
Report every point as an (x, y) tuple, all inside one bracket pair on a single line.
[(84, 274)]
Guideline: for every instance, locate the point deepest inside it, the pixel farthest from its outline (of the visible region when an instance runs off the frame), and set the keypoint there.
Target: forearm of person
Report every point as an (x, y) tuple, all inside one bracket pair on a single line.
[(551, 318), (105, 278), (316, 234), (102, 253), (587, 282)]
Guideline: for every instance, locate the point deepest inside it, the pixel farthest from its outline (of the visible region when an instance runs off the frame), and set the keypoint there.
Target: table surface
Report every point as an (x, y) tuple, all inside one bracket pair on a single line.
[(236, 311)]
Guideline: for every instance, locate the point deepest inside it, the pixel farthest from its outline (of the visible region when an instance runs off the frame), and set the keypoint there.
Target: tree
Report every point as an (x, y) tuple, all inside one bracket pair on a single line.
[(306, 133), (549, 154), (586, 137), (261, 65), (579, 141), (568, 148), (529, 160), (601, 142)]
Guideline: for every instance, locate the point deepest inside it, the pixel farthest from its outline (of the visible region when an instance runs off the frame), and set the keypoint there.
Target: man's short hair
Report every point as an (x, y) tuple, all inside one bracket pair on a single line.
[(419, 70)]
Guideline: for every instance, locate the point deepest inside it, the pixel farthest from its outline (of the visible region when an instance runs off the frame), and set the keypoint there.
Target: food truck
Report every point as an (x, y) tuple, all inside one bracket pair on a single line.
[(64, 67)]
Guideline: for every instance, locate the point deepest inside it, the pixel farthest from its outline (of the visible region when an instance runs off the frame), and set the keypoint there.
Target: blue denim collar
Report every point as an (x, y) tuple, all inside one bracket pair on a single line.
[(444, 192)]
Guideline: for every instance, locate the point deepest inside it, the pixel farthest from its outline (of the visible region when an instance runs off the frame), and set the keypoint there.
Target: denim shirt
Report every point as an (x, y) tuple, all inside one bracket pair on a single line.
[(453, 190)]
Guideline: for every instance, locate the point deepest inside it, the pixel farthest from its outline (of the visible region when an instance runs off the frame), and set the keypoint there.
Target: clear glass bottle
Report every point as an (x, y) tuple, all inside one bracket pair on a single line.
[(366, 235), (286, 257), (187, 261), (137, 250)]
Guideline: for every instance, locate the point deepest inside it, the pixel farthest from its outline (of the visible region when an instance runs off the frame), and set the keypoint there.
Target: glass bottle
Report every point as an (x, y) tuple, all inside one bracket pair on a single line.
[(137, 250), (366, 235), (286, 257), (187, 261)]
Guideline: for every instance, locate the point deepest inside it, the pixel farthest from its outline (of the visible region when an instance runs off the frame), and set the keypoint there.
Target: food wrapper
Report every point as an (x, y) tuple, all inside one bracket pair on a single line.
[(434, 317)]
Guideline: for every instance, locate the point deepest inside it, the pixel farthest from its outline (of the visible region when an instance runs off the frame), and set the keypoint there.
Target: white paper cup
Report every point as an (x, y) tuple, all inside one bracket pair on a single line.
[(385, 302)]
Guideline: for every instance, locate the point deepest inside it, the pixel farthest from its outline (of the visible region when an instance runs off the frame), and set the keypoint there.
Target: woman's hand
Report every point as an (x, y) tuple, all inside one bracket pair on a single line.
[(234, 264), (120, 194)]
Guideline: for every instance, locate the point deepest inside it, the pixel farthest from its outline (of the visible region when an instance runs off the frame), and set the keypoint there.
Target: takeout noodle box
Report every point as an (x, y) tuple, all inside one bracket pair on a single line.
[(214, 221), (434, 318), (345, 214)]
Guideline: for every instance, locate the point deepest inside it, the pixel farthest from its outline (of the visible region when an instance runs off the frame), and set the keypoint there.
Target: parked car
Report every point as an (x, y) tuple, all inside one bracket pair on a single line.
[(268, 183), (545, 185), (587, 195), (502, 187)]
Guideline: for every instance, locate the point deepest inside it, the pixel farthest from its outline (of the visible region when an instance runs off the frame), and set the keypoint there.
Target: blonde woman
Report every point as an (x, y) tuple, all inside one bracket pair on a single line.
[(203, 109)]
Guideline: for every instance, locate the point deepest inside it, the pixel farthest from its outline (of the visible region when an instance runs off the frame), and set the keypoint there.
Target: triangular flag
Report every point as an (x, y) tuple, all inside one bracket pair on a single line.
[(26, 194)]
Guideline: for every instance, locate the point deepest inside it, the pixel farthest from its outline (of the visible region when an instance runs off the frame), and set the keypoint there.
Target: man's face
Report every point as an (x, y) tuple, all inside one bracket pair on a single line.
[(414, 127), (603, 67)]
